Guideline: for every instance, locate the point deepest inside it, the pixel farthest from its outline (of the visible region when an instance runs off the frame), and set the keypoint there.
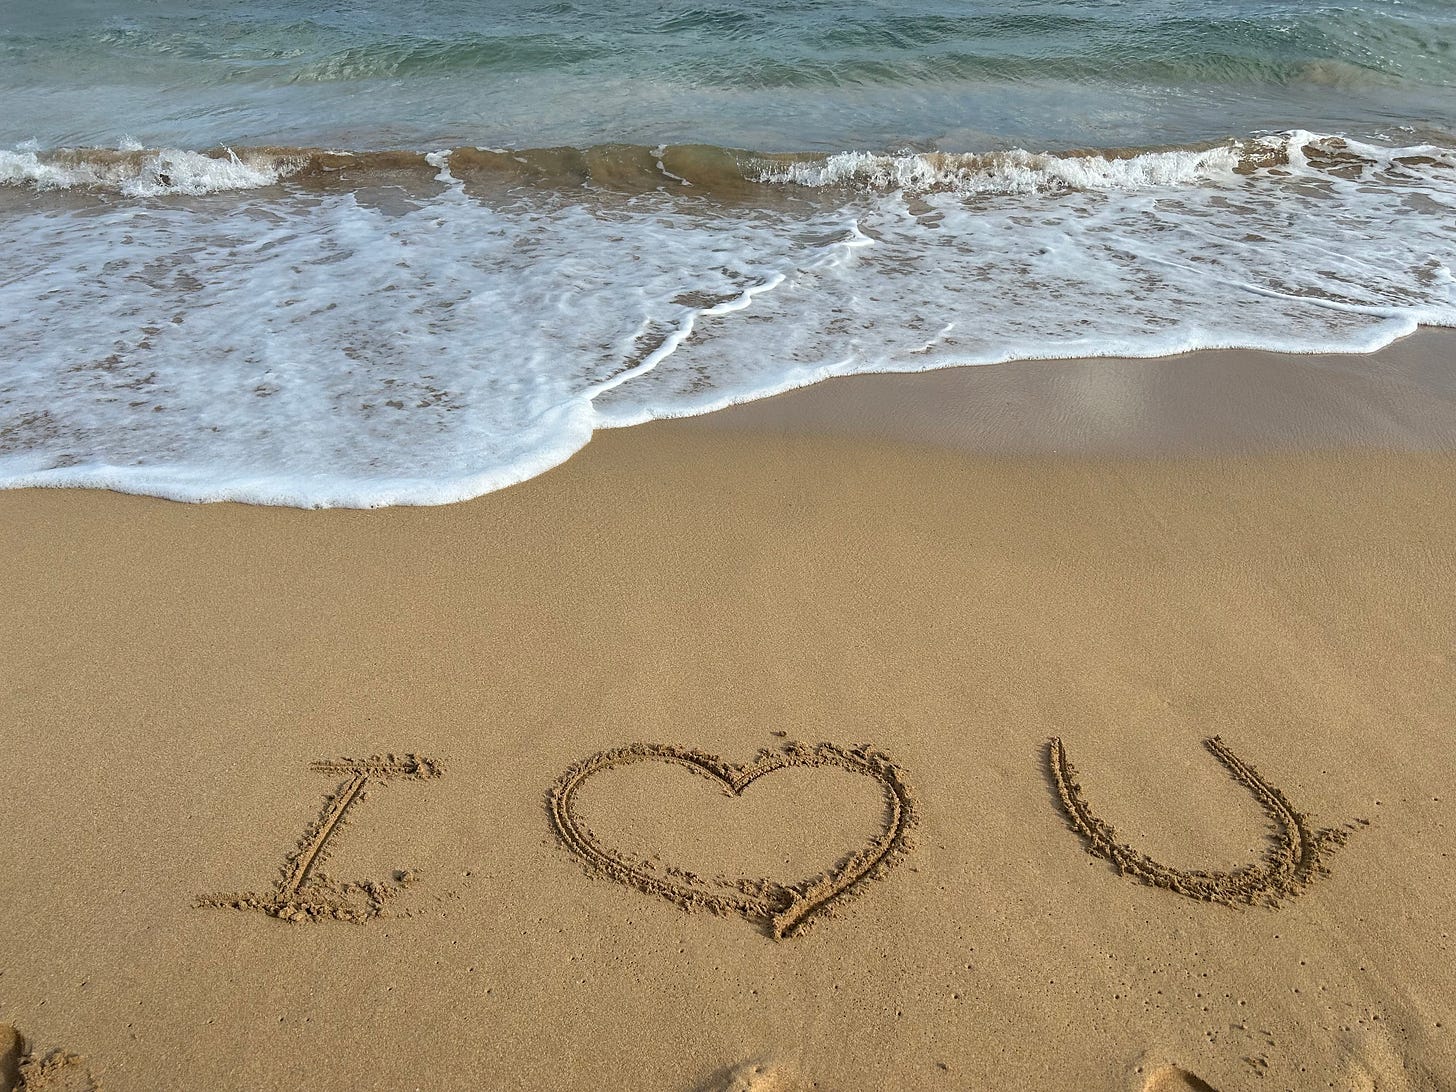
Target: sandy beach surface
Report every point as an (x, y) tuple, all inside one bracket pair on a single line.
[(319, 799)]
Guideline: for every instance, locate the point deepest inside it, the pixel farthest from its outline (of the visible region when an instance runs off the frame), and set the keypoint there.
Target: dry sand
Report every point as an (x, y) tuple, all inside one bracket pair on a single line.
[(793, 571)]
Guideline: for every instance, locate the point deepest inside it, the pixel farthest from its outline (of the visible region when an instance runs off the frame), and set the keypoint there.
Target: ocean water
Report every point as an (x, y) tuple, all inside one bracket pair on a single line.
[(364, 253)]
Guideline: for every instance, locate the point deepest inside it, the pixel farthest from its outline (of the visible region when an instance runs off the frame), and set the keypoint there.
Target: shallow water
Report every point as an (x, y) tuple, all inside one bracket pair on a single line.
[(824, 75), (357, 256)]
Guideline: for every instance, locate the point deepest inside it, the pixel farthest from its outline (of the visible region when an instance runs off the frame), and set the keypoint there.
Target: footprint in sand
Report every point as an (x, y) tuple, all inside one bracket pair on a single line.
[(12, 1048), (1172, 1078), (22, 1069), (1378, 1060), (1294, 861), (754, 1077)]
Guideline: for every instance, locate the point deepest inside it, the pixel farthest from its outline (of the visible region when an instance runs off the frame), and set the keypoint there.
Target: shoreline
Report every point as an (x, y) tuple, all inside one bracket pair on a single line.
[(837, 565), (1206, 402)]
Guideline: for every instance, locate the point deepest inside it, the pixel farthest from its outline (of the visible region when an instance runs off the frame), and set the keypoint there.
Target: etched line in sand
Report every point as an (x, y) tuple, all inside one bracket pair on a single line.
[(783, 910), (24, 1069), (303, 892), (1294, 860)]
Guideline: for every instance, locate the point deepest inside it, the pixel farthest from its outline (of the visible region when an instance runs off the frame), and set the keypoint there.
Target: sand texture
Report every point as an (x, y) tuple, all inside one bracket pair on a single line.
[(800, 679)]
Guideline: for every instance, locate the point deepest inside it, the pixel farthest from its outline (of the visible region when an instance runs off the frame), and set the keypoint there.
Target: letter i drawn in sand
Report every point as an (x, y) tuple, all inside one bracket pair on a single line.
[(303, 892)]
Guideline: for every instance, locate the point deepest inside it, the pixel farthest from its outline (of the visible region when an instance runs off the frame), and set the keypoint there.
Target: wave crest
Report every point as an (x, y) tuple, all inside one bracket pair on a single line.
[(145, 174), (1015, 171), (706, 170)]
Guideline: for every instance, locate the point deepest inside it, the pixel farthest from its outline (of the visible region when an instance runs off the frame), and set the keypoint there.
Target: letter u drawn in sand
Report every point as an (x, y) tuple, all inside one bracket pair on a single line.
[(1293, 861), (303, 892), (784, 910)]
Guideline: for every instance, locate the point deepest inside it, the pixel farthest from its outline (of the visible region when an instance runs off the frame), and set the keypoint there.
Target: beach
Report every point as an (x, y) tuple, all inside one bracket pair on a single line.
[(935, 574), (679, 547)]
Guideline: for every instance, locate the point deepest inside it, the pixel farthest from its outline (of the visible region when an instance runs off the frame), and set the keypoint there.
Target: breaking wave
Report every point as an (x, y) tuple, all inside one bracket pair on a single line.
[(137, 172), (323, 328)]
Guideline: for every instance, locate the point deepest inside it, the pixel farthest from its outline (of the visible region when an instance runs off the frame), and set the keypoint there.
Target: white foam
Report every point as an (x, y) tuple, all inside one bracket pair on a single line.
[(440, 160), (163, 172), (316, 349), (657, 154), (1013, 172)]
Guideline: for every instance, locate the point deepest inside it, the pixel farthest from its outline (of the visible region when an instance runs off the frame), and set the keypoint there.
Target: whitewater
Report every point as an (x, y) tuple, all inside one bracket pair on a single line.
[(283, 255)]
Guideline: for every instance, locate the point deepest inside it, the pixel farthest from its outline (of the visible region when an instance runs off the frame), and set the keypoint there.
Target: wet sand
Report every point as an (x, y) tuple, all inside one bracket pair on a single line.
[(949, 569)]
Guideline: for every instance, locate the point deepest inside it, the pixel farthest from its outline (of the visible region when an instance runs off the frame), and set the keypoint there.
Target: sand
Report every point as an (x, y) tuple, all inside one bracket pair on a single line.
[(223, 724)]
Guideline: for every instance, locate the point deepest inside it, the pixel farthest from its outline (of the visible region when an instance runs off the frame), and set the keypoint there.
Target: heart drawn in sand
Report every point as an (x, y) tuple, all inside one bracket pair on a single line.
[(784, 910)]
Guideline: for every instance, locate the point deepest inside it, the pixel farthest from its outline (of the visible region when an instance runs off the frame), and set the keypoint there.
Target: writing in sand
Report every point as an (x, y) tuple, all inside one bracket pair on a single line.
[(304, 892)]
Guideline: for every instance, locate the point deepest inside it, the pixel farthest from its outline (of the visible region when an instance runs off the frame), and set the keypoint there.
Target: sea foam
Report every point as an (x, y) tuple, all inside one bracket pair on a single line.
[(1008, 172), (421, 345), (134, 173)]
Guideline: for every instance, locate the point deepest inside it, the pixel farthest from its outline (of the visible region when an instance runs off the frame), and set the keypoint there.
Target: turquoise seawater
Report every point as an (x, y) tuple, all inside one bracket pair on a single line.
[(789, 76), (362, 252)]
